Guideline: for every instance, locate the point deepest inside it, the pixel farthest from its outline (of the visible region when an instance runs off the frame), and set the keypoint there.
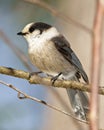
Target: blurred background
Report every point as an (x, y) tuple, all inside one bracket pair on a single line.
[(26, 114)]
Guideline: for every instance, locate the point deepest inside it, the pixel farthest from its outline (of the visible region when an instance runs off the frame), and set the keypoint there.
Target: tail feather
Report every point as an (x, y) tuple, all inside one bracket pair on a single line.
[(79, 102)]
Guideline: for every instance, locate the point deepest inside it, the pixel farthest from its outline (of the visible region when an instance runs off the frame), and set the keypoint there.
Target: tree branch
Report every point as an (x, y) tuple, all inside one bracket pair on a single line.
[(58, 14), (22, 95), (36, 79)]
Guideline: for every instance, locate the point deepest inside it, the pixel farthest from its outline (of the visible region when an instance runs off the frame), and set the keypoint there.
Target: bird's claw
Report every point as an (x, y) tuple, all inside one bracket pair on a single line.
[(53, 79)]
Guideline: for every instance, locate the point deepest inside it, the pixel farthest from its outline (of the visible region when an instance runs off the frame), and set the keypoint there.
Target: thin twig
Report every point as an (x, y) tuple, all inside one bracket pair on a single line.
[(96, 66), (58, 14), (23, 95)]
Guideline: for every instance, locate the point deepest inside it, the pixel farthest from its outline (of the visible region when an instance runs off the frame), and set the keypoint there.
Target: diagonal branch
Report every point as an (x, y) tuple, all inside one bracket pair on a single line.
[(19, 53), (36, 79), (58, 14), (22, 95)]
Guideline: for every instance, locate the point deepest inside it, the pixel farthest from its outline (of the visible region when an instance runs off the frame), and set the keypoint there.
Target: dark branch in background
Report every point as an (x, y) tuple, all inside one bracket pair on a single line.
[(22, 95), (36, 79), (60, 15), (96, 65), (16, 50)]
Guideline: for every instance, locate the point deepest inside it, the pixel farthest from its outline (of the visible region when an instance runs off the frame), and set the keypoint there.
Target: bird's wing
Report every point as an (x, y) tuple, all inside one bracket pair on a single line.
[(64, 48)]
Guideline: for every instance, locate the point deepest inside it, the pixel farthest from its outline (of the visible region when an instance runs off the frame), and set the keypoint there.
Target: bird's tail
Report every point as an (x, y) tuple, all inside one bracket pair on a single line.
[(79, 102)]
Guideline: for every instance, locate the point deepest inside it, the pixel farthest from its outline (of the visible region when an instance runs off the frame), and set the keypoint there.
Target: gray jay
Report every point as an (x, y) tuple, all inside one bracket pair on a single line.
[(51, 53)]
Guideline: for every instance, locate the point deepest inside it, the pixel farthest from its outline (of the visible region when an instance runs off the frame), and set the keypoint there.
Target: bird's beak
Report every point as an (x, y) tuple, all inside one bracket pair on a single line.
[(21, 33)]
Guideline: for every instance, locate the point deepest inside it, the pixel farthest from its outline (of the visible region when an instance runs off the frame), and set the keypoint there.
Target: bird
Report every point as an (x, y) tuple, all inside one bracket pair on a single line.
[(52, 54)]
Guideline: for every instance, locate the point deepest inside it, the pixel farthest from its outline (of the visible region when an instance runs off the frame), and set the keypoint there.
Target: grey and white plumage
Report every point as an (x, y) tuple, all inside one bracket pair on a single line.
[(50, 52)]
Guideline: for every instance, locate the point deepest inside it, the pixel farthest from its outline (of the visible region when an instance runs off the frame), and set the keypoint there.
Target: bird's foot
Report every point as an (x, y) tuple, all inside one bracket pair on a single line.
[(53, 79)]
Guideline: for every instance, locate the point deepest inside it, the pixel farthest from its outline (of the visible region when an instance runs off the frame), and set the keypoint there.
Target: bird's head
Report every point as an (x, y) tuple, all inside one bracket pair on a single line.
[(38, 30)]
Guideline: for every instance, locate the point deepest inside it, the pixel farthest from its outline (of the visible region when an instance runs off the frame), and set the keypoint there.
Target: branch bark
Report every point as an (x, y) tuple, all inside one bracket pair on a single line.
[(36, 79)]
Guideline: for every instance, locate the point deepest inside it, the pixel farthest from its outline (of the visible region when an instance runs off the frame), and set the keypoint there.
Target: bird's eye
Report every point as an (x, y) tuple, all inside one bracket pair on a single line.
[(41, 31), (31, 29)]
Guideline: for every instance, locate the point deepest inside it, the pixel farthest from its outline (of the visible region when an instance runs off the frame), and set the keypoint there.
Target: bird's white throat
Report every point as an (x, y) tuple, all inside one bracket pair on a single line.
[(37, 40)]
